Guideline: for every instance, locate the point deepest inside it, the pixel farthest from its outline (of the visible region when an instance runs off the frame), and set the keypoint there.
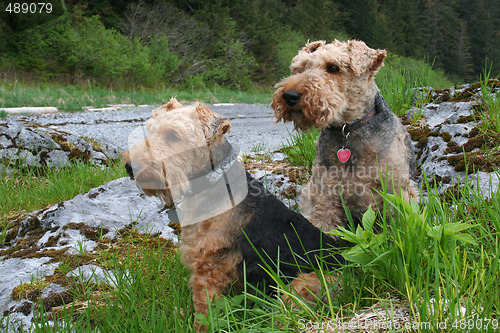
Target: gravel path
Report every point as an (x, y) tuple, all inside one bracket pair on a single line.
[(252, 125)]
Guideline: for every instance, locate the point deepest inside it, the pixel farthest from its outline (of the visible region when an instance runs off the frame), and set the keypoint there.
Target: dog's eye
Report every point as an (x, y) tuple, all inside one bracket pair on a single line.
[(331, 68), (172, 137)]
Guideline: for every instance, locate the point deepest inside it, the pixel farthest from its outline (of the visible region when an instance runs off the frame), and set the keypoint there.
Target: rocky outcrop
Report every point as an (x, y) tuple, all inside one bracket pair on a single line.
[(452, 140), (33, 145)]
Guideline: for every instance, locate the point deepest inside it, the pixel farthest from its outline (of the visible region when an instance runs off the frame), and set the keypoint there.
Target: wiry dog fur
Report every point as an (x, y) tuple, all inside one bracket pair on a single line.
[(219, 249), (332, 85)]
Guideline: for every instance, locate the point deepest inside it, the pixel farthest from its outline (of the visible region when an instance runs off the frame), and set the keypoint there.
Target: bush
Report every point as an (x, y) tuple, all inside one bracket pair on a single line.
[(96, 50), (232, 67), (82, 47), (163, 61)]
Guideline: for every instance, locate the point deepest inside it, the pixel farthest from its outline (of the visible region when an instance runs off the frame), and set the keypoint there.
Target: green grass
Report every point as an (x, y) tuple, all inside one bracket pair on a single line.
[(436, 257), (300, 148), (489, 112), (31, 189), (444, 251), (401, 76), (75, 97)]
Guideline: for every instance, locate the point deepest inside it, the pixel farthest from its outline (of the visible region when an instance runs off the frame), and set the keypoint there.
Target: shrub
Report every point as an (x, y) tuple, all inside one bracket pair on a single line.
[(82, 47)]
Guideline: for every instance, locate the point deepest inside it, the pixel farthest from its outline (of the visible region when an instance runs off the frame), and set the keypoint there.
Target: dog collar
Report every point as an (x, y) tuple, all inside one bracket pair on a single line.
[(344, 154), (218, 172), (206, 181), (347, 128)]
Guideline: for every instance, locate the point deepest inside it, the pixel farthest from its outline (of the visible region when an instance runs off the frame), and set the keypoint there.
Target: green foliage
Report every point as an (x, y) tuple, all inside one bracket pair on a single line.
[(232, 68), (81, 47), (436, 236), (400, 79), (163, 61), (434, 253), (287, 49), (236, 43), (300, 148), (94, 49)]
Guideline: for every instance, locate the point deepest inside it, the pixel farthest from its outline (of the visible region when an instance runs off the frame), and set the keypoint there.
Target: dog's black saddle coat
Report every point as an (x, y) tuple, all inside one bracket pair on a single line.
[(279, 232)]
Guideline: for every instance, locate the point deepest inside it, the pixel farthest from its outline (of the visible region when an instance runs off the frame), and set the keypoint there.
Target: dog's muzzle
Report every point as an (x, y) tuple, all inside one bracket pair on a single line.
[(291, 97), (130, 171)]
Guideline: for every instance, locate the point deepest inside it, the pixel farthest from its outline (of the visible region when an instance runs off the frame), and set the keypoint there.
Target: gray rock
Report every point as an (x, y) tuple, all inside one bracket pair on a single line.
[(52, 288), (35, 145), (251, 124), (35, 139), (105, 209), (5, 142), (14, 272), (443, 134), (74, 227)]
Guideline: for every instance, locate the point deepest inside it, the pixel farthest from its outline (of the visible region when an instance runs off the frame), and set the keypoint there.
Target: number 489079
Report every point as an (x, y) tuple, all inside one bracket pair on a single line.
[(29, 8)]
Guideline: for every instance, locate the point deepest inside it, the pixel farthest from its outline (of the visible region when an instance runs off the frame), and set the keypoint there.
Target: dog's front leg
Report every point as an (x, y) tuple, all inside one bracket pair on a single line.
[(209, 281)]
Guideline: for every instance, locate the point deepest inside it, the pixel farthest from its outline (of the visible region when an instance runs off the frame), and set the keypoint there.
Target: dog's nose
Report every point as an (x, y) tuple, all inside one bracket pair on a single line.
[(129, 169), (292, 97)]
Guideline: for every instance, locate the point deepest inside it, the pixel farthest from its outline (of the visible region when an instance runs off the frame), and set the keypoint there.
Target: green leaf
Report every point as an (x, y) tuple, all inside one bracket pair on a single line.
[(377, 240), (436, 232), (358, 255), (344, 234), (466, 238), (367, 235), (368, 219), (202, 319), (454, 228), (359, 233)]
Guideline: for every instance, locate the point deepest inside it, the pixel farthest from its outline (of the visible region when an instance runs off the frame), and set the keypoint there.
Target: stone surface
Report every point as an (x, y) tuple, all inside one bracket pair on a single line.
[(99, 213), (30, 110), (31, 144), (14, 272), (450, 145), (73, 227), (95, 274), (251, 125)]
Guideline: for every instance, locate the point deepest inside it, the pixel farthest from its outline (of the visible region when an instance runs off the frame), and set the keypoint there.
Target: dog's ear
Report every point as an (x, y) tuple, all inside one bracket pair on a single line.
[(214, 125), (364, 59), (311, 47), (171, 105)]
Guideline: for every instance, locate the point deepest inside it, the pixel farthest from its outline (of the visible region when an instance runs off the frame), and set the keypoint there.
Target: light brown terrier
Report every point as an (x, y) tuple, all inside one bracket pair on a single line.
[(223, 242), (332, 87)]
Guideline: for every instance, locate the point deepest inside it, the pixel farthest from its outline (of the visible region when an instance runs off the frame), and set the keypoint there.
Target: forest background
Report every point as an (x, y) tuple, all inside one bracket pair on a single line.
[(236, 44)]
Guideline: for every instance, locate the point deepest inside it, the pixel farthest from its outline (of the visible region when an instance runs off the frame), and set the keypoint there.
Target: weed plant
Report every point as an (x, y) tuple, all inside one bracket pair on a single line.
[(301, 148)]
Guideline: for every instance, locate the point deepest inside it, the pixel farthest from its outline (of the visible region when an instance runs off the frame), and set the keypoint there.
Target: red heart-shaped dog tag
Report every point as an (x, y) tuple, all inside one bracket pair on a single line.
[(344, 154)]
